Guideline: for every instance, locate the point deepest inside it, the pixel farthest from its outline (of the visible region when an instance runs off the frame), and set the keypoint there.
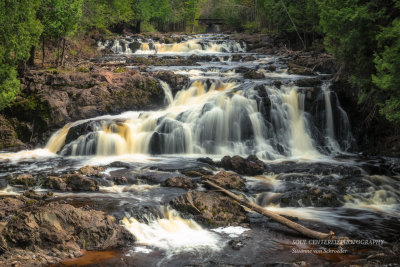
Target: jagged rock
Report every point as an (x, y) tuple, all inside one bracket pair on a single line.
[(226, 179), (253, 74), (91, 170), (181, 182), (65, 228), (25, 180), (8, 136), (210, 208), (250, 166), (9, 206)]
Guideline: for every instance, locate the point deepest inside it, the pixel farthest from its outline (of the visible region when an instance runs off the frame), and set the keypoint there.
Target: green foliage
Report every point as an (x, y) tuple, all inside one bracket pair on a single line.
[(9, 85), (387, 63), (59, 17), (19, 31)]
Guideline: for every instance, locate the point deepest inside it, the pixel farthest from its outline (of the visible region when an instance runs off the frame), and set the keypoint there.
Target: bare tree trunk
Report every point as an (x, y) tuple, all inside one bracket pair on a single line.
[(62, 54), (31, 60), (43, 51), (276, 217)]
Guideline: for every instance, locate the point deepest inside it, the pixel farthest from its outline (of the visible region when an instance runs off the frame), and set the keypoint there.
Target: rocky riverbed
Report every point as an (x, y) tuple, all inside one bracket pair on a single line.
[(132, 136)]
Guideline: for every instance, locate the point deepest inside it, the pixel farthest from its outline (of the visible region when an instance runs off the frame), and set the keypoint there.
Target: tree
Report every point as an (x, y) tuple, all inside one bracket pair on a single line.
[(19, 31), (59, 18), (387, 77)]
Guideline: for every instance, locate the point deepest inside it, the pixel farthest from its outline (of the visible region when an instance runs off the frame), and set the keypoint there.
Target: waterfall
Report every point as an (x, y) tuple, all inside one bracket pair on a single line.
[(219, 113)]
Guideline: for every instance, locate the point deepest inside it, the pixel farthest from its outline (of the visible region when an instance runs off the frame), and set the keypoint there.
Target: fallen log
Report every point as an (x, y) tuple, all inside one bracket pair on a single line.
[(276, 217)]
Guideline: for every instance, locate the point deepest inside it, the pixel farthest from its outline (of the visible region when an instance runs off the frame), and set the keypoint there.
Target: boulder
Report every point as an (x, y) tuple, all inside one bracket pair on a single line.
[(210, 208), (78, 182), (227, 180), (253, 74), (181, 182), (56, 183), (25, 180), (249, 166), (91, 170), (65, 228)]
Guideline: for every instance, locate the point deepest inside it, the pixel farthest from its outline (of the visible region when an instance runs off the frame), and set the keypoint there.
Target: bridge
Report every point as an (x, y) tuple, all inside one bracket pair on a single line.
[(213, 25)]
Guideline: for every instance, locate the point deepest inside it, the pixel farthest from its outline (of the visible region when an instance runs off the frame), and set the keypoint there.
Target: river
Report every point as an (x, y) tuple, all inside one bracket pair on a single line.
[(236, 103)]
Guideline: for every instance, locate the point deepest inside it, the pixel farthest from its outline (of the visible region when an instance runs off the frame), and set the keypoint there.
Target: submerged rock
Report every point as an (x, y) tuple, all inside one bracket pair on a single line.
[(181, 182), (249, 166), (226, 179), (210, 208)]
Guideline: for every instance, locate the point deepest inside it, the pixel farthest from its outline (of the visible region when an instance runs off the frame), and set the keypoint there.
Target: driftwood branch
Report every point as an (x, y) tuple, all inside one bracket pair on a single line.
[(276, 217)]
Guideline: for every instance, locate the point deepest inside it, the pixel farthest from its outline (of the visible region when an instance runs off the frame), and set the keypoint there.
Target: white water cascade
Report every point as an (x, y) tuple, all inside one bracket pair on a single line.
[(219, 113)]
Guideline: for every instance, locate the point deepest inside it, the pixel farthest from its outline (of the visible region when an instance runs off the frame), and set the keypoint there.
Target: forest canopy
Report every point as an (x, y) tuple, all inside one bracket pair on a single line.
[(363, 34)]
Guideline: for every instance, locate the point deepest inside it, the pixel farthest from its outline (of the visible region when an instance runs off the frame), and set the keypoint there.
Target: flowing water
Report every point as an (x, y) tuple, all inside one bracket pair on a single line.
[(302, 133)]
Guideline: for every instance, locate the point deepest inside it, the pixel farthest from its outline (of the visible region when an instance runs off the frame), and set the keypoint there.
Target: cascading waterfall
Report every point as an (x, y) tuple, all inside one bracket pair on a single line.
[(219, 116), (192, 45)]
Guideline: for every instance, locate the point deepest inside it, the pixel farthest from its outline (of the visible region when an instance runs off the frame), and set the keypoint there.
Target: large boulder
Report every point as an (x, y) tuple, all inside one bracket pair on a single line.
[(249, 166), (92, 170), (225, 179), (54, 229), (210, 208)]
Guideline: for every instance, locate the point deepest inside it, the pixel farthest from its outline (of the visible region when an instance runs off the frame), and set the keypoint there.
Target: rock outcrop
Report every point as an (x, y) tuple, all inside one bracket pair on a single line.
[(55, 231)]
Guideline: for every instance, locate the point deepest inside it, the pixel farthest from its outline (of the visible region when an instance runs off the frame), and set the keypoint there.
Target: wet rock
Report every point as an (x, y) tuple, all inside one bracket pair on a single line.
[(120, 164), (10, 205), (25, 180), (65, 228), (82, 129), (309, 197), (120, 180), (71, 182), (176, 81), (225, 179), (249, 166), (253, 74), (207, 161), (181, 182), (308, 82), (78, 182), (56, 183), (92, 170), (37, 196), (210, 208), (196, 172), (299, 70)]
